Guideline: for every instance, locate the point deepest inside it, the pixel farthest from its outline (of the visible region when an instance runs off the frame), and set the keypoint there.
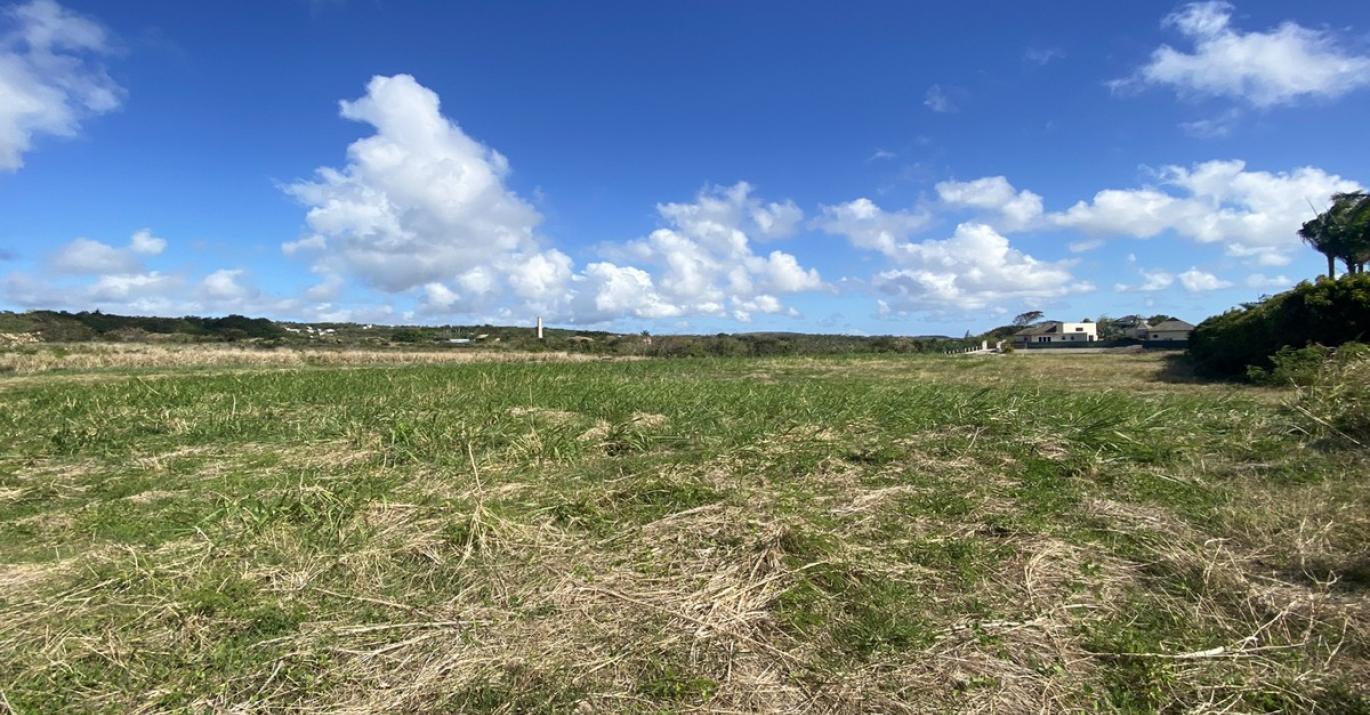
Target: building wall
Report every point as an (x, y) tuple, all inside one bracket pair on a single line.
[(1167, 335), (1080, 331)]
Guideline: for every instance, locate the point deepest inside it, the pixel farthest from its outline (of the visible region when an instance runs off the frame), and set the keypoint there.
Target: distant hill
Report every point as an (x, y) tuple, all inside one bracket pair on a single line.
[(47, 326), (61, 326)]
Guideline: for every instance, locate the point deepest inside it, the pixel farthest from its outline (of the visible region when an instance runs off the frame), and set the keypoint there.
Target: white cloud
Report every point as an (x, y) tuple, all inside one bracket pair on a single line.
[(327, 289), (1016, 210), (1215, 127), (126, 287), (439, 298), (938, 100), (1043, 56), (226, 286), (1151, 281), (1197, 281), (976, 268), (1260, 280), (1253, 214), (86, 274), (724, 210), (421, 202), (422, 208), (612, 290), (313, 242), (143, 242), (868, 226), (85, 256), (90, 257), (703, 260), (50, 79), (1279, 66), (1085, 246)]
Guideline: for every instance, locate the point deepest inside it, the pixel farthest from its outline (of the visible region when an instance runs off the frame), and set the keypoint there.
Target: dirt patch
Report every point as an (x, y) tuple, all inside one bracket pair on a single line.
[(650, 420)]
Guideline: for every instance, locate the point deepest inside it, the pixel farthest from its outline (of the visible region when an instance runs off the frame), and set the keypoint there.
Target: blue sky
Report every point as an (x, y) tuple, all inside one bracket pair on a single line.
[(701, 166)]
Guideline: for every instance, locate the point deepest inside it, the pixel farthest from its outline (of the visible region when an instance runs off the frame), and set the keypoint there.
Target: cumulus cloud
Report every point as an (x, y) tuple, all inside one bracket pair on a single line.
[(868, 226), (1197, 281), (86, 274), (84, 256), (1253, 214), (50, 76), (226, 286), (701, 263), (612, 290), (421, 208), (1282, 65), (1012, 210), (974, 269), (124, 288), (421, 202), (733, 208), (146, 244)]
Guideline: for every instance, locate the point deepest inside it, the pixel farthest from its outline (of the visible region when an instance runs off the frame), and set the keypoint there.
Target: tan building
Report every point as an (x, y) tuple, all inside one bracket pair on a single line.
[(1173, 330)]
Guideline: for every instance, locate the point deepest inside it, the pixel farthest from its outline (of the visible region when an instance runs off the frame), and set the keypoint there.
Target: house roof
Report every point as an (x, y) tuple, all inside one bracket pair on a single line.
[(1047, 328), (1172, 324)]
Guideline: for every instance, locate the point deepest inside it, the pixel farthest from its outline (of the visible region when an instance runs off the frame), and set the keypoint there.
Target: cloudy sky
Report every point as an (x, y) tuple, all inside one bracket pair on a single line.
[(700, 166)]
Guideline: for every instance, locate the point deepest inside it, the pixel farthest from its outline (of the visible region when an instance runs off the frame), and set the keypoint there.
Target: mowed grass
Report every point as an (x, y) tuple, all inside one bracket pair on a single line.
[(912, 534)]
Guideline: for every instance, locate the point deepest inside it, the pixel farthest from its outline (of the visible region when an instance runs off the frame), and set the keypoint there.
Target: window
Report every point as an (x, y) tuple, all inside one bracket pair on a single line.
[(1079, 330)]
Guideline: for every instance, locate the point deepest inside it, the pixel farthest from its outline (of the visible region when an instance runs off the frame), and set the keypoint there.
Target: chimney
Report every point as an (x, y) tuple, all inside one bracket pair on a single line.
[(539, 327)]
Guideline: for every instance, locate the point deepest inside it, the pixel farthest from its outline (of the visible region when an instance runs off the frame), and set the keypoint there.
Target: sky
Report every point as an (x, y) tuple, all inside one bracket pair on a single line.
[(869, 168)]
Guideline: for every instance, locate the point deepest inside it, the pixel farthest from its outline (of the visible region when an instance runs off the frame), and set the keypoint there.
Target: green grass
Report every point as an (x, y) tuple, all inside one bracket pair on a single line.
[(843, 534)]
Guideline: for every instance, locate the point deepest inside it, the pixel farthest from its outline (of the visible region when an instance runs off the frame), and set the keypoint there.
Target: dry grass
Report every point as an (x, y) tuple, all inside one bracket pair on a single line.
[(672, 537), (128, 356)]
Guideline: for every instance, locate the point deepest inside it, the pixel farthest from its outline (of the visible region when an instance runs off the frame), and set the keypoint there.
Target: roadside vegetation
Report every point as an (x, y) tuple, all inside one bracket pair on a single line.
[(897, 533)]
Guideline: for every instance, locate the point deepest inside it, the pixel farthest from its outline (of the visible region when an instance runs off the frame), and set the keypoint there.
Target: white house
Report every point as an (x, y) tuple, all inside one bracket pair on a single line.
[(1056, 332)]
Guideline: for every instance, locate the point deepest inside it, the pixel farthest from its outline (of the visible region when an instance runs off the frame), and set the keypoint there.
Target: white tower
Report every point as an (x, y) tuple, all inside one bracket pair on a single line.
[(539, 327)]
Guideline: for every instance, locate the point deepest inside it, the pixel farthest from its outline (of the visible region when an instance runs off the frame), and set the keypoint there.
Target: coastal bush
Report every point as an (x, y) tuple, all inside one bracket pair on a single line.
[(1326, 312)]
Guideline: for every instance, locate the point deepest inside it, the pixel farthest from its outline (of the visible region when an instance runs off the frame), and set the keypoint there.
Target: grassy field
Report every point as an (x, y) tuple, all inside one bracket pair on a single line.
[(911, 534)]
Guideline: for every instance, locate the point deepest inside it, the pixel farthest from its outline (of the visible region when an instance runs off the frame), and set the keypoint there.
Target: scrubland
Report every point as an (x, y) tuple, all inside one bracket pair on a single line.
[(376, 533)]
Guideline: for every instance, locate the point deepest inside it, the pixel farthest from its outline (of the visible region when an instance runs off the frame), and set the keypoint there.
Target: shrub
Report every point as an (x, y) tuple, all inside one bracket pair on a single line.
[(1292, 366), (1336, 403), (1326, 312)]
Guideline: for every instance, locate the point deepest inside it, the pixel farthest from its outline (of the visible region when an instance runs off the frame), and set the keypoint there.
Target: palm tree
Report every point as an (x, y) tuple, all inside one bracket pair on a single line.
[(1319, 232), (1352, 211), (1342, 232)]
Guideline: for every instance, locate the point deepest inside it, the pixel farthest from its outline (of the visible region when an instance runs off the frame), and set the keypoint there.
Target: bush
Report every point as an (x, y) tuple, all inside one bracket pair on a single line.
[(1326, 312), (1293, 366), (1336, 403)]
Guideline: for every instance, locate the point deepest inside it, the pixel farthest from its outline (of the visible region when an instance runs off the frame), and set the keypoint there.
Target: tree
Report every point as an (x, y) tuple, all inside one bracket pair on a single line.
[(1342, 232), (1317, 233), (1352, 211), (1108, 328), (1028, 318)]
